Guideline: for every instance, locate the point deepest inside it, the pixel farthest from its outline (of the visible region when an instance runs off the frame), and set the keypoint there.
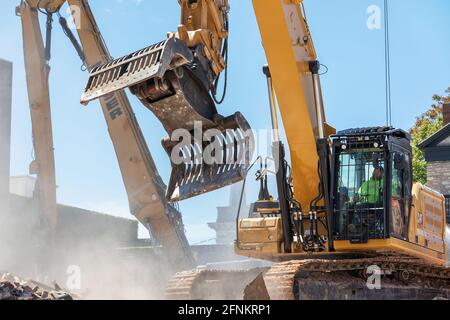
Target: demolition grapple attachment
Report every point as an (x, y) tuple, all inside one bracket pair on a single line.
[(218, 158), (207, 151), (150, 62)]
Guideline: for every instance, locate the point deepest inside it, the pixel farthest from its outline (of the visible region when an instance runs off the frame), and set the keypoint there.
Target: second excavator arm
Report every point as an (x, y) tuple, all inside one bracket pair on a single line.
[(144, 186), (36, 56)]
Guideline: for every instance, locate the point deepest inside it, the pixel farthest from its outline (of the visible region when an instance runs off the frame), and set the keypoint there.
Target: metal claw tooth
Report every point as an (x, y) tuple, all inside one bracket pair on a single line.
[(220, 157), (224, 153), (198, 161), (235, 152), (180, 169), (192, 163), (227, 140), (189, 163), (186, 162), (236, 148), (185, 165), (195, 164), (230, 149), (242, 148)]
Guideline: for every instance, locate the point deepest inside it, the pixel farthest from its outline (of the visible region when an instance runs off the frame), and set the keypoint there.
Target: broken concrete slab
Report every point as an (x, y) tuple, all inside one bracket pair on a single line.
[(15, 288)]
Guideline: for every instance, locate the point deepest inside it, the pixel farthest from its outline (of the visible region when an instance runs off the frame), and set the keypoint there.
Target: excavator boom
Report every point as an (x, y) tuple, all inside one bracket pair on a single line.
[(39, 100)]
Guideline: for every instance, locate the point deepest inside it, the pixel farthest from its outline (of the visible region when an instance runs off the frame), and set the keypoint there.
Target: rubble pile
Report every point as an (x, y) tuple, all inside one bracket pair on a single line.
[(14, 288)]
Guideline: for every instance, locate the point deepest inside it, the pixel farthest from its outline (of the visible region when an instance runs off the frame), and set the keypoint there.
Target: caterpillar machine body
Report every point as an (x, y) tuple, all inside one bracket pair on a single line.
[(347, 207), (144, 186)]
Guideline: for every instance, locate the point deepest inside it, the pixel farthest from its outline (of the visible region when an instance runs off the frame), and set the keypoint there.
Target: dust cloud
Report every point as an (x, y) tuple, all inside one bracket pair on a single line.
[(88, 267)]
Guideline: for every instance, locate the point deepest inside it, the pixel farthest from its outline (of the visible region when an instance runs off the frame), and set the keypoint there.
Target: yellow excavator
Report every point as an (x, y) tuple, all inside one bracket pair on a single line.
[(347, 208)]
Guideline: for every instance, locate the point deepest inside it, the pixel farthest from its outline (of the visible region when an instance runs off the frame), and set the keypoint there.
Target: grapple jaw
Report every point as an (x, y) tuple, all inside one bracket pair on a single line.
[(151, 62), (173, 82), (209, 160)]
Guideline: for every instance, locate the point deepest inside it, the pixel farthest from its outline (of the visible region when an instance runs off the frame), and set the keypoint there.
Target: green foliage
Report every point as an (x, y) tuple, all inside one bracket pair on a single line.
[(426, 125)]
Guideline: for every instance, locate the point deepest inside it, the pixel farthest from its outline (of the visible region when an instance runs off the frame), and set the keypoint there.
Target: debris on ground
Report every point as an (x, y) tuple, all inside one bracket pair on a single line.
[(14, 288)]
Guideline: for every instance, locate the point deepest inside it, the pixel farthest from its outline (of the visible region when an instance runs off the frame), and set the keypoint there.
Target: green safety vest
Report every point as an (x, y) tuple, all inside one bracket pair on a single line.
[(371, 190)]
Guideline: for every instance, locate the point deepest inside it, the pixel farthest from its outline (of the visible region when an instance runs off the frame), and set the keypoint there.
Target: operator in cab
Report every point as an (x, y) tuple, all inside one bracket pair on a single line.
[(371, 190)]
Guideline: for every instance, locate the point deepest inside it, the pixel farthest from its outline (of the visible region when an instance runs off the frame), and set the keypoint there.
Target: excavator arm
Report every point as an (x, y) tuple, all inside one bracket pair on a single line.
[(294, 68), (37, 73), (295, 90)]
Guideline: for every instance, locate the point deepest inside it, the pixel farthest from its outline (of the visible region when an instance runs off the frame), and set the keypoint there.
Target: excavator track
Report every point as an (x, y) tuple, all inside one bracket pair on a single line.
[(402, 278), (204, 284), (293, 279), (181, 284)]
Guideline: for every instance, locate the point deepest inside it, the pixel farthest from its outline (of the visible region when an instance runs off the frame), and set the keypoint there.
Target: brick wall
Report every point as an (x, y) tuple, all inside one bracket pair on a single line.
[(439, 176), (446, 112)]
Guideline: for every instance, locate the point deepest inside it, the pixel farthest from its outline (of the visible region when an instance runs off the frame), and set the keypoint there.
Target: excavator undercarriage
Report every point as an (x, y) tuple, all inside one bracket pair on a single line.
[(387, 276)]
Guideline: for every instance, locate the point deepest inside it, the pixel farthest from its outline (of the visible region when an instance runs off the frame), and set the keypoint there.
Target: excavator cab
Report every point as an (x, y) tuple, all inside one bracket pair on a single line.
[(372, 184), (177, 83)]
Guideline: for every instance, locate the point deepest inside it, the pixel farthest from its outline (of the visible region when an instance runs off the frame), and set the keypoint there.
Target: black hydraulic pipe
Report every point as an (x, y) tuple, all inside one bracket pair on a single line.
[(323, 150), (73, 40), (48, 37), (282, 184)]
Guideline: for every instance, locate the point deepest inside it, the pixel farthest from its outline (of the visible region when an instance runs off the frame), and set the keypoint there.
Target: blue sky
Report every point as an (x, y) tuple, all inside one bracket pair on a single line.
[(87, 172)]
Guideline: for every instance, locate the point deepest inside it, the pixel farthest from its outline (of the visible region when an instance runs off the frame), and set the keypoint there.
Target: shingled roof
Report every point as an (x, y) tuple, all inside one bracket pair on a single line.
[(437, 147)]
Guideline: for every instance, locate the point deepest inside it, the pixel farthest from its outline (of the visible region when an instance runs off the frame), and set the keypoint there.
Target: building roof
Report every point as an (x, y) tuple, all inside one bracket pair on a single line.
[(437, 147)]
